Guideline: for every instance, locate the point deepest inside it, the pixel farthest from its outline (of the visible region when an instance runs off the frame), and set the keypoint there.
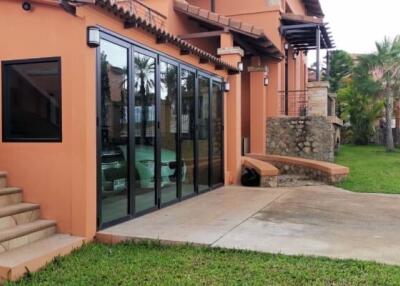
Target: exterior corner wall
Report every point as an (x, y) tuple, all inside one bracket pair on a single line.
[(310, 137), (58, 176)]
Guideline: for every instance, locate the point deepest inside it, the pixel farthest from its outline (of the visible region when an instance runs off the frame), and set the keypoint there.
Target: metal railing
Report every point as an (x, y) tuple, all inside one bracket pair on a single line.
[(297, 103), (142, 10)]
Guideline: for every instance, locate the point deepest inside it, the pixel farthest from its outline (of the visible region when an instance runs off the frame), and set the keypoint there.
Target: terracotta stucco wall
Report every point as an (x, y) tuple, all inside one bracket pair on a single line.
[(61, 177)]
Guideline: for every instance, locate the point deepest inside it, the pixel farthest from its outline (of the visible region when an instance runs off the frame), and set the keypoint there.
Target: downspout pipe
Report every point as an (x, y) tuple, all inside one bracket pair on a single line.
[(212, 5)]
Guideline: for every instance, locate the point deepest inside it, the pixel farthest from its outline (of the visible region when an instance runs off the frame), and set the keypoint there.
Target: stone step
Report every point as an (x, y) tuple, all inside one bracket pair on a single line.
[(3, 179), (10, 196), (29, 258), (294, 180), (24, 234), (18, 214)]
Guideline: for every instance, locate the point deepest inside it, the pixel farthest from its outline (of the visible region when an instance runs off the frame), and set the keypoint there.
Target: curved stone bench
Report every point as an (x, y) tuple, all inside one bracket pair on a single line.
[(268, 173), (317, 170)]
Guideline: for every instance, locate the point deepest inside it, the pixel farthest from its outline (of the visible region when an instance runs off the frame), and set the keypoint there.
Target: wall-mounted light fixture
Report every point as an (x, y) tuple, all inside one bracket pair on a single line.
[(93, 37), (240, 66), (266, 81), (286, 46), (27, 6), (227, 86)]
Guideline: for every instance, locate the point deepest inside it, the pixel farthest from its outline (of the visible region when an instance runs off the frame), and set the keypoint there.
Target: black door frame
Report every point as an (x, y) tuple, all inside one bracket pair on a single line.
[(133, 47)]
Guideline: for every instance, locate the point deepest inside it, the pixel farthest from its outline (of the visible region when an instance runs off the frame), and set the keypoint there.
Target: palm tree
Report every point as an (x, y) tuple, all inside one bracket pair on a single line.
[(384, 65), (144, 74)]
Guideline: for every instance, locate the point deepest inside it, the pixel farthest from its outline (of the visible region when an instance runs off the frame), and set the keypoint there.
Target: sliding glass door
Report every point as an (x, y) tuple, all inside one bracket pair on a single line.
[(188, 132), (160, 131), (144, 121), (170, 170), (113, 132)]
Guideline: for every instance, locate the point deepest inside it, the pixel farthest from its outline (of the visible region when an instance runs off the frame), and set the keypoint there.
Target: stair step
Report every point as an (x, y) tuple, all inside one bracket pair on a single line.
[(13, 215), (3, 179), (17, 208), (10, 196), (23, 234), (15, 263)]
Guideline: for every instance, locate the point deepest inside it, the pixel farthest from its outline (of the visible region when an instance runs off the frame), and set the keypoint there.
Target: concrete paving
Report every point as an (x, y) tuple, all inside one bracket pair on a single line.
[(316, 220)]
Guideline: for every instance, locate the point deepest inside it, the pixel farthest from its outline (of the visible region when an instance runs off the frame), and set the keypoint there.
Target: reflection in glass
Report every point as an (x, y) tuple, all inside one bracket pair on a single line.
[(217, 135), (114, 131), (33, 94), (203, 133), (168, 132), (145, 136), (187, 120)]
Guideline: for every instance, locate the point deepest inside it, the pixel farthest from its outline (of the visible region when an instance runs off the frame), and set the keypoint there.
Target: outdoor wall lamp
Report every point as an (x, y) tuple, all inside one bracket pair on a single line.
[(93, 37), (240, 66), (26, 6), (286, 46), (227, 87), (266, 81)]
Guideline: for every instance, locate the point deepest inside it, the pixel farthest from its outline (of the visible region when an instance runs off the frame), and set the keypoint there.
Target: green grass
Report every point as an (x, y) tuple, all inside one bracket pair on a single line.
[(151, 264), (372, 169)]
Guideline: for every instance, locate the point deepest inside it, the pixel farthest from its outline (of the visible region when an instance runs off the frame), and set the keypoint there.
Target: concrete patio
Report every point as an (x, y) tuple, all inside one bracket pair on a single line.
[(318, 220)]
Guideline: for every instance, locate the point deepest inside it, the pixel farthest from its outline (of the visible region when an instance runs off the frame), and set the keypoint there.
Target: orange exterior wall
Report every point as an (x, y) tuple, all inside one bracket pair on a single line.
[(61, 177)]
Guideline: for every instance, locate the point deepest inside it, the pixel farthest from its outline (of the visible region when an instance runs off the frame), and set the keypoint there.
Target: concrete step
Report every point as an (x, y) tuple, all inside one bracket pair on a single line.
[(29, 258), (10, 196), (13, 215), (24, 234), (3, 179)]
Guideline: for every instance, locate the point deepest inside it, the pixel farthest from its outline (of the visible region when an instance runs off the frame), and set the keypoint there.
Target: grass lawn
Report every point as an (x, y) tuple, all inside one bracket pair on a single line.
[(151, 264), (372, 169)]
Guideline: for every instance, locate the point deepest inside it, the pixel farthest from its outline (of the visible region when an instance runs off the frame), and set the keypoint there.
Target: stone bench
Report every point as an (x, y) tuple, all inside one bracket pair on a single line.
[(268, 173), (317, 170)]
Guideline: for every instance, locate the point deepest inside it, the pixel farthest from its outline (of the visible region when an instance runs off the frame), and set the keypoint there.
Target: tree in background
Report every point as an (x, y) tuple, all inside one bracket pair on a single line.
[(360, 105), (384, 66), (341, 65)]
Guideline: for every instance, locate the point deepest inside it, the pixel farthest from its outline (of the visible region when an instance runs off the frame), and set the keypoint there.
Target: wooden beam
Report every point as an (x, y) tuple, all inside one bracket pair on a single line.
[(210, 34)]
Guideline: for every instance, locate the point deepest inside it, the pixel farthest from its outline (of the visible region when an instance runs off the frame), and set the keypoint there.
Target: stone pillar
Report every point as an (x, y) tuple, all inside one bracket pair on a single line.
[(318, 98), (232, 110), (258, 93)]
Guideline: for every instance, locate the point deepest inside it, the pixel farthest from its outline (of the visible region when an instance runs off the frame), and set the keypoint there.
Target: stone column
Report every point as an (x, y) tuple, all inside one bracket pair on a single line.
[(318, 98), (232, 111), (258, 93)]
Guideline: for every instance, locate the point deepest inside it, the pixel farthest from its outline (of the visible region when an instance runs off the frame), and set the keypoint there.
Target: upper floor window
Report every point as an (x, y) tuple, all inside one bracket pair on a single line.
[(32, 100)]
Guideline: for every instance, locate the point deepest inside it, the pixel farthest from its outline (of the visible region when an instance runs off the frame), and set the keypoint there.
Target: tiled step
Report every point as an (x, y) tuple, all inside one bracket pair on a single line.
[(17, 214), (10, 196), (15, 263), (3, 179), (24, 234)]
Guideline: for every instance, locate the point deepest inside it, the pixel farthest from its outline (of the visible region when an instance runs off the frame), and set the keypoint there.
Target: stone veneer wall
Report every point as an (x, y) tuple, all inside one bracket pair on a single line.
[(310, 137)]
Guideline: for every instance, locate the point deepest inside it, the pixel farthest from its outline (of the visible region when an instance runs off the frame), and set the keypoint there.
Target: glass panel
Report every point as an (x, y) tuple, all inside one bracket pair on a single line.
[(145, 132), (187, 132), (114, 131), (203, 133), (168, 129), (34, 95), (217, 108)]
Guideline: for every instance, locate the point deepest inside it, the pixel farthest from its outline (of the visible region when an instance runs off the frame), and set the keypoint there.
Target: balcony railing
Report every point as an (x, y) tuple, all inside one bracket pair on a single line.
[(142, 10), (297, 103)]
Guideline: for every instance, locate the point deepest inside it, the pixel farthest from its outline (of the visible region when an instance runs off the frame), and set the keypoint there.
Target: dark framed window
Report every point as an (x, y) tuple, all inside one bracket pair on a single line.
[(31, 94)]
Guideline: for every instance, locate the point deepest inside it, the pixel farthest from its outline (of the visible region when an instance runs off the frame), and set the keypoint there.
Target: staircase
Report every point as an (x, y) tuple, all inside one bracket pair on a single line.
[(27, 242)]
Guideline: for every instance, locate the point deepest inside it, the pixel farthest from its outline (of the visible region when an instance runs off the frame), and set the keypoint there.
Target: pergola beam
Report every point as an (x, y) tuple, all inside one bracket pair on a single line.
[(201, 35)]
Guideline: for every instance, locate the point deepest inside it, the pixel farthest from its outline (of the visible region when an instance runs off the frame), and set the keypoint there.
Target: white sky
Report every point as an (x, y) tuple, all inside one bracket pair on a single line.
[(357, 24)]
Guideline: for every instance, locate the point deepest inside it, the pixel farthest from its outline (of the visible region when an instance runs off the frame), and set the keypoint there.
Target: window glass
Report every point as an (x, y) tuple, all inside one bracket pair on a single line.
[(145, 135), (32, 100), (168, 132), (114, 131)]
